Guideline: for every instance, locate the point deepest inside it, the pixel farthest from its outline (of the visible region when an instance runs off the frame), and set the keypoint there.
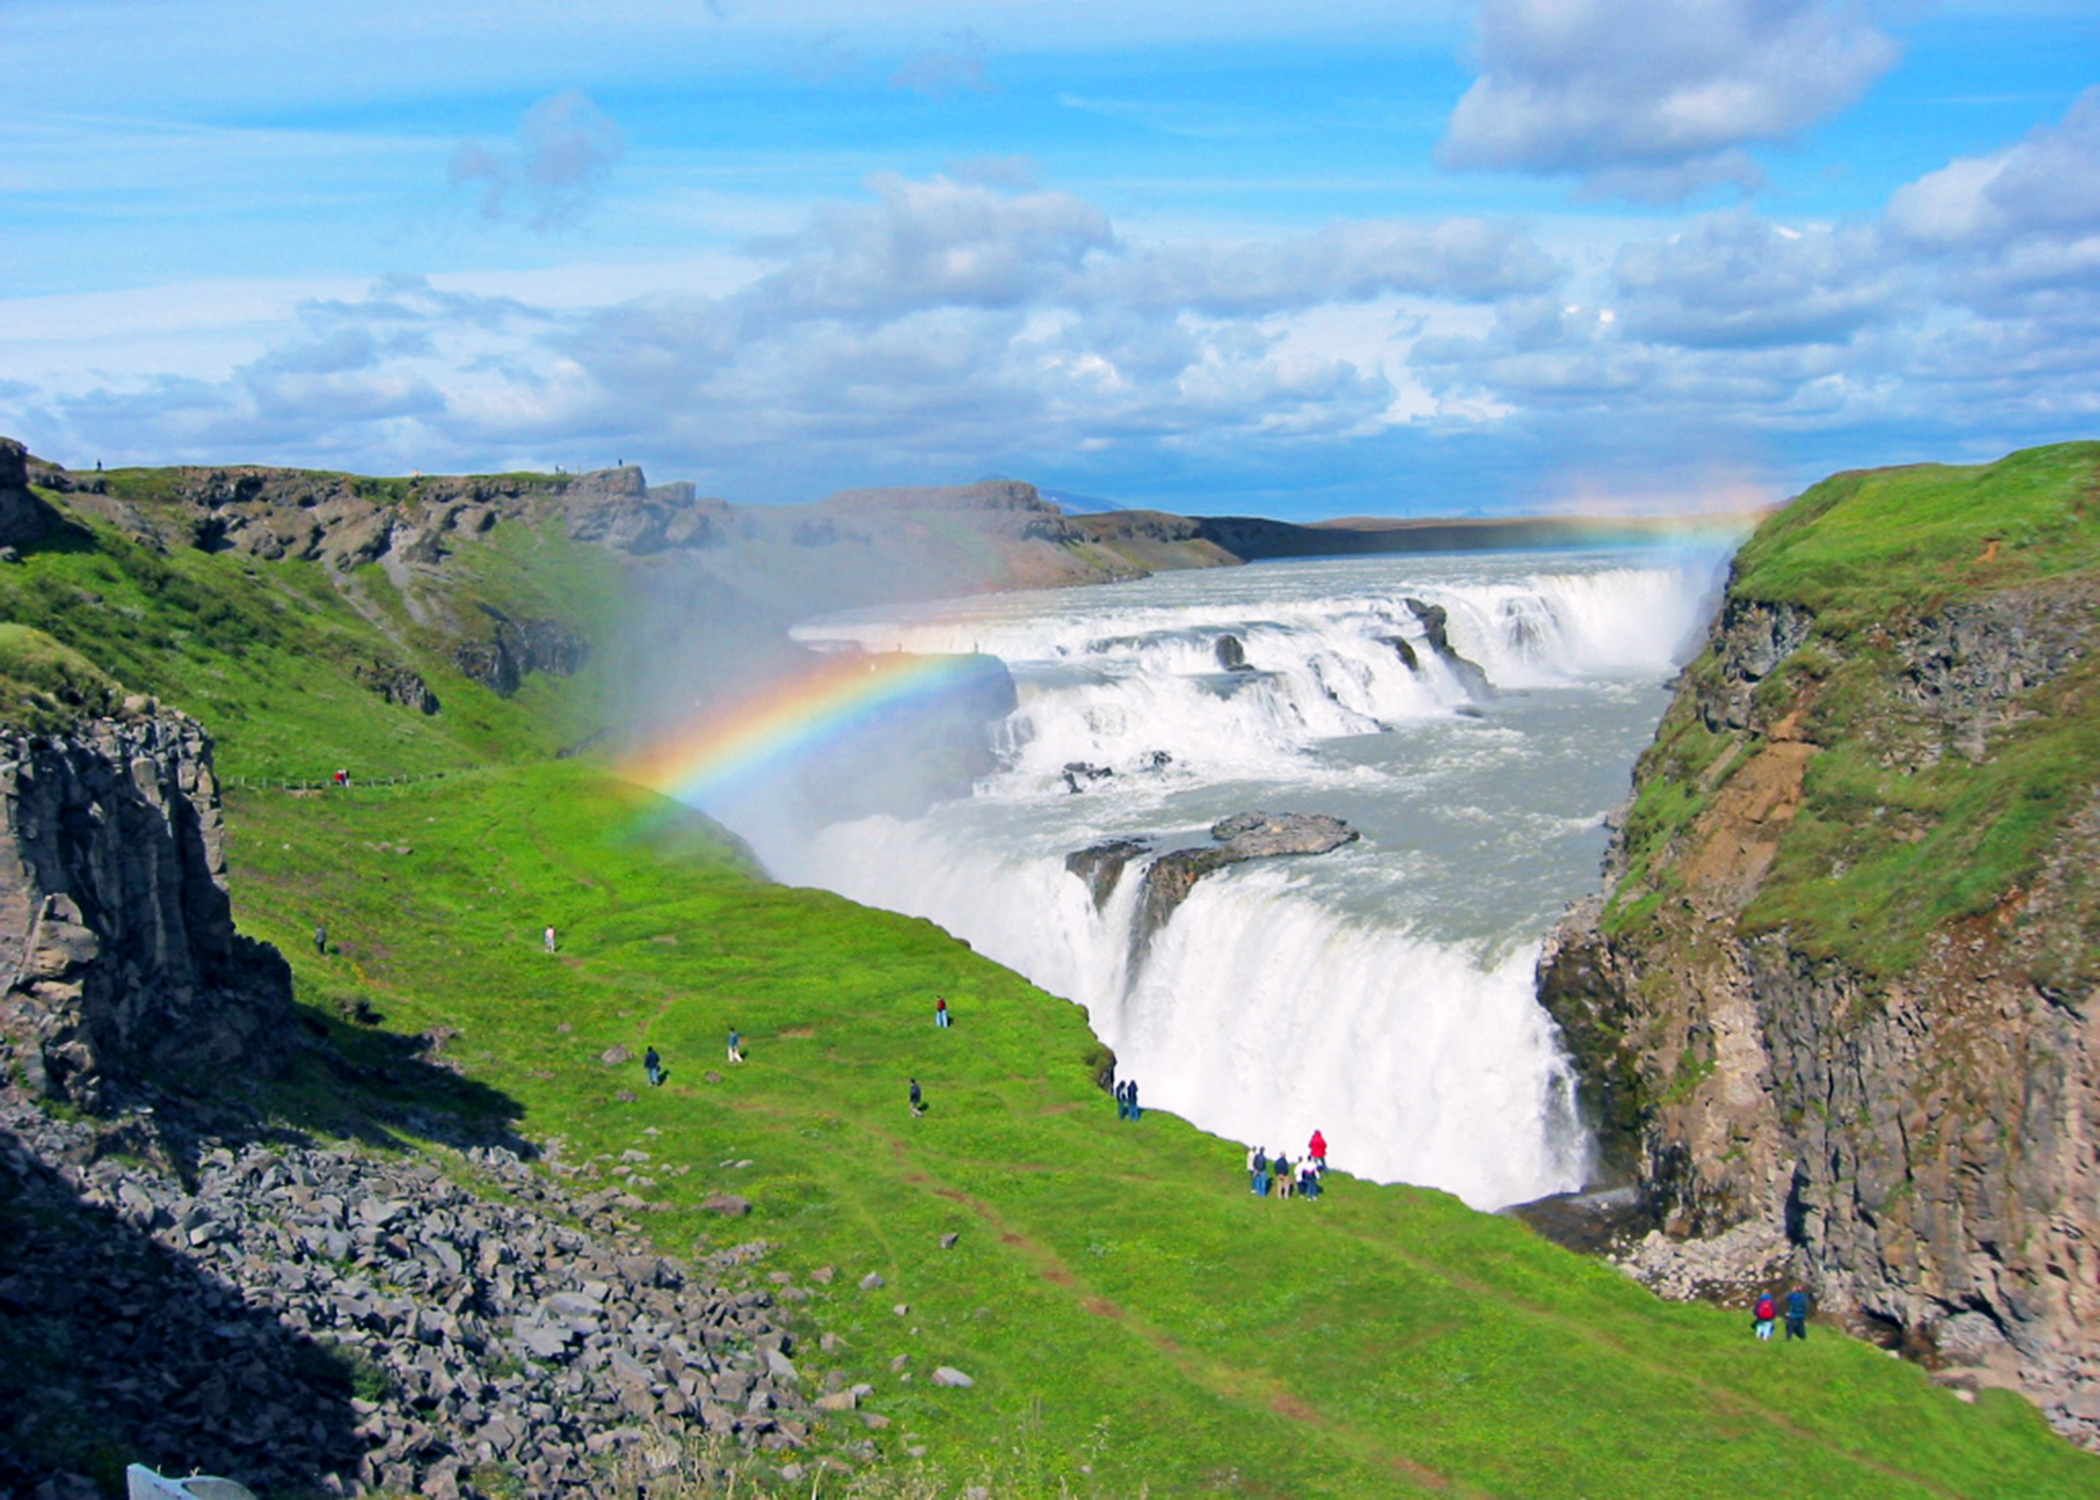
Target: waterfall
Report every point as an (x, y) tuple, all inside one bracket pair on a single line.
[(1473, 718)]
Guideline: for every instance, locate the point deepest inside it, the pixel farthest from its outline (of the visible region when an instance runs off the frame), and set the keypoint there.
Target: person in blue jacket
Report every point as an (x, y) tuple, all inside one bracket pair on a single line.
[(1797, 1314)]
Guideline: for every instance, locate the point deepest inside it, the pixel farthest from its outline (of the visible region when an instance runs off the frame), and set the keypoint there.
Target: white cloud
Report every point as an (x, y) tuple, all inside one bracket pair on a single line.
[(1734, 280), (1656, 99), (2046, 186), (564, 150)]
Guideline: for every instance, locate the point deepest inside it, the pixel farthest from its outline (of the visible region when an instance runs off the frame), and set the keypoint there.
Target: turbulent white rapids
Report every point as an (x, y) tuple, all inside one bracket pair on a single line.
[(1381, 992)]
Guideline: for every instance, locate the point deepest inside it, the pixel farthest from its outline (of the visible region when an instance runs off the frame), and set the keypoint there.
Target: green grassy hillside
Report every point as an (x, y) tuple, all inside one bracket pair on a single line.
[(276, 657), (1134, 1320), (1898, 832)]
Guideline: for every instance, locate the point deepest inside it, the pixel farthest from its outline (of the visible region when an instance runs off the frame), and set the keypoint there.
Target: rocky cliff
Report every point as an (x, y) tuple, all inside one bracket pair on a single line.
[(117, 942), (1836, 1019)]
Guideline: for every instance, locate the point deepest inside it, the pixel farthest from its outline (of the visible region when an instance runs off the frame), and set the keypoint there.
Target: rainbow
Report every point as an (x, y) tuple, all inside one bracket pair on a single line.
[(724, 742)]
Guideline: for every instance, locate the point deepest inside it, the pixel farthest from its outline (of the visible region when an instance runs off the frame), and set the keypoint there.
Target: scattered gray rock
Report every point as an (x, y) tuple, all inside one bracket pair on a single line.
[(527, 1328), (949, 1375)]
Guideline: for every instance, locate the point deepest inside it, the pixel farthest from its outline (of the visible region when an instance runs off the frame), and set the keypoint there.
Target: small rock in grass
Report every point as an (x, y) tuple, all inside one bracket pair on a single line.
[(614, 1055), (872, 1281), (949, 1375), (729, 1205), (948, 1241)]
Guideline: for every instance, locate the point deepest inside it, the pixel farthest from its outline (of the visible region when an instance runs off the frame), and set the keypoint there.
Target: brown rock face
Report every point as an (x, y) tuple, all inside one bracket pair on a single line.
[(116, 936), (1923, 1146)]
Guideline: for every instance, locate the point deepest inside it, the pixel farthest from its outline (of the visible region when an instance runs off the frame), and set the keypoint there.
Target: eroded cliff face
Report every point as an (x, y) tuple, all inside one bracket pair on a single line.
[(1920, 1142), (117, 942)]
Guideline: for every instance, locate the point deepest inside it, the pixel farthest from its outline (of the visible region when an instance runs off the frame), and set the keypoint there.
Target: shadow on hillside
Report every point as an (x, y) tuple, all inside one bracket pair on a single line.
[(352, 1078), (344, 1081), (115, 1349)]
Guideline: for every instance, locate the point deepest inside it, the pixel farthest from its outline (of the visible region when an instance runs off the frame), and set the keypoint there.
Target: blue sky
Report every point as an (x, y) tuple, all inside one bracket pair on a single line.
[(1328, 258)]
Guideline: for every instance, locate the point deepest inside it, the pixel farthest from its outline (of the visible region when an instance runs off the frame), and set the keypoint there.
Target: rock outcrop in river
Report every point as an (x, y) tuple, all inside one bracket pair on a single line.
[(1169, 878)]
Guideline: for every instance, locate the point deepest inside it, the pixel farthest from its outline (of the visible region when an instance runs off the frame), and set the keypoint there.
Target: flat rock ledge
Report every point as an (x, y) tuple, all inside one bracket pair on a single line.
[(319, 1321), (1241, 837)]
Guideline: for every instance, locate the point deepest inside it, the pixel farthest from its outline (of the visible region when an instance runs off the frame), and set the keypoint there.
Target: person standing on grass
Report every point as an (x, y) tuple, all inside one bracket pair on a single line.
[(940, 1010), (1261, 1173), (321, 939), (1253, 1168), (736, 1046), (1797, 1314), (1762, 1316), (1130, 1091), (1284, 1180), (653, 1066), (918, 1100), (547, 939), (1316, 1149)]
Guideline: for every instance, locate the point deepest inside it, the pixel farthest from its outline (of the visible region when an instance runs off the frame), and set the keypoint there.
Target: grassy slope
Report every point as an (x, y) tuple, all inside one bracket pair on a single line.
[(1121, 1299), (264, 653), (1885, 848)]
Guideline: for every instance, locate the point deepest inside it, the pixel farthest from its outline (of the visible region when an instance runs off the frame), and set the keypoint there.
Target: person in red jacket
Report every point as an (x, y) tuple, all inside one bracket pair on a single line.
[(1317, 1149), (1765, 1311)]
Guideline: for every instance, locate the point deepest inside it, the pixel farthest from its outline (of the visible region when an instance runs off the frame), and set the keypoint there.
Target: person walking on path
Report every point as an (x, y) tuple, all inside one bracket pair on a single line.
[(1763, 1314), (1797, 1314), (940, 1010), (653, 1065), (918, 1100), (736, 1046), (547, 938), (1316, 1149)]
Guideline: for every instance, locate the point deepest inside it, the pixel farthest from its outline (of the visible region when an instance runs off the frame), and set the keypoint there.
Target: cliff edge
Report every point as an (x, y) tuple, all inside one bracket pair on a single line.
[(122, 968), (1836, 1016)]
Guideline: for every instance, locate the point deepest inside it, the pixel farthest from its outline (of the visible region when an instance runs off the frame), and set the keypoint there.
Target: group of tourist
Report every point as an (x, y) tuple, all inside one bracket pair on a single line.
[(1278, 1175), (1126, 1100), (1767, 1309)]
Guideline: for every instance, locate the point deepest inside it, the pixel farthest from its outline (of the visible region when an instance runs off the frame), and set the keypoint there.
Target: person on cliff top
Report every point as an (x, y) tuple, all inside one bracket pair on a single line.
[(1316, 1149), (1130, 1094), (1797, 1314), (1254, 1166), (1284, 1180), (736, 1046), (1261, 1173), (1762, 1316), (653, 1065), (940, 1010), (918, 1100), (1309, 1183)]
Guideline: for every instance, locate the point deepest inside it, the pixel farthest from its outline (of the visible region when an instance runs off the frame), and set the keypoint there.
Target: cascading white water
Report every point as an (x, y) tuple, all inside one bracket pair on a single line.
[(1381, 993)]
